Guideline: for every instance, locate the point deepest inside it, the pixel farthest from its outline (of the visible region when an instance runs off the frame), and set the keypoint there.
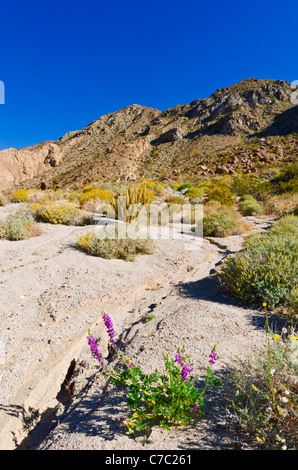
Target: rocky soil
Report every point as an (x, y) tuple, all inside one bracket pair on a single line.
[(52, 293)]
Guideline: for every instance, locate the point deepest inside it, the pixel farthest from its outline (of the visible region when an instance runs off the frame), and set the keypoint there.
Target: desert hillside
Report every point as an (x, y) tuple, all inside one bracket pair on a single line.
[(238, 129)]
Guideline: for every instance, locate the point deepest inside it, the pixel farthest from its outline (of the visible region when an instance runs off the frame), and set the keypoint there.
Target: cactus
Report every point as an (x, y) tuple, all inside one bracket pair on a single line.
[(129, 205)]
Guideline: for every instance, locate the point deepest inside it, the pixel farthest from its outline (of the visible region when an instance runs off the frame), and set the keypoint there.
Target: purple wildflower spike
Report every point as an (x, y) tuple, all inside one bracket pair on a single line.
[(186, 369), (94, 349), (109, 325), (213, 356)]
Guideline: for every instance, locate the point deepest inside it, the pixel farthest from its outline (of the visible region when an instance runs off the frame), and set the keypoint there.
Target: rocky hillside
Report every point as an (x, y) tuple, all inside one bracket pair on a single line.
[(242, 128)]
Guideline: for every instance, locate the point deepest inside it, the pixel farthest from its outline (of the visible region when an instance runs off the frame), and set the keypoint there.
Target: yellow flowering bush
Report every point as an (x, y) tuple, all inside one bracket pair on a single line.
[(87, 188), (221, 194), (56, 213), (94, 194), (21, 195)]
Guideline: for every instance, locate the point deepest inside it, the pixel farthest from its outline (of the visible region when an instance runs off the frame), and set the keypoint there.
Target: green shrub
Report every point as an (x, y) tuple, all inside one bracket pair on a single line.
[(222, 223), (194, 193), (249, 185), (250, 206), (19, 227), (267, 270), (175, 186), (287, 226), (184, 186), (247, 197), (292, 300), (73, 196), (287, 180)]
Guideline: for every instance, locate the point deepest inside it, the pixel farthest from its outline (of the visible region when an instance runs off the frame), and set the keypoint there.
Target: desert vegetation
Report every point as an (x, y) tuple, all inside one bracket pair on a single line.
[(163, 399), (262, 275), (265, 394), (111, 246), (267, 268), (19, 227)]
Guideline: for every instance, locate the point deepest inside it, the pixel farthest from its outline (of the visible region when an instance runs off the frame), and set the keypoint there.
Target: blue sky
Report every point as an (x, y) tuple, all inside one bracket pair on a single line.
[(65, 63)]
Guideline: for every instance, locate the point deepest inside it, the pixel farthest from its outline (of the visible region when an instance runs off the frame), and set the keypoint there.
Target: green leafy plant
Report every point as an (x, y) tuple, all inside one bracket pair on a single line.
[(249, 206), (222, 223), (183, 186), (245, 184), (267, 268), (164, 399), (287, 180), (194, 193)]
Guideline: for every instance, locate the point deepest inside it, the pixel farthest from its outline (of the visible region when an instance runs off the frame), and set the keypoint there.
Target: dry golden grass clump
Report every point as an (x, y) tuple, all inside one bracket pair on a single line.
[(109, 247)]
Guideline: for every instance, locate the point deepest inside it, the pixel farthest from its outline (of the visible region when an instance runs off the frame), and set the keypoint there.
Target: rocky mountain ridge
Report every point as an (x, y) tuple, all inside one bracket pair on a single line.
[(241, 128)]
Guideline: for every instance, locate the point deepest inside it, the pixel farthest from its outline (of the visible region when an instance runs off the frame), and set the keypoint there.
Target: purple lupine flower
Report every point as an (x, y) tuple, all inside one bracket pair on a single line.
[(94, 349), (186, 368), (213, 356), (179, 357), (109, 325), (195, 408), (185, 371)]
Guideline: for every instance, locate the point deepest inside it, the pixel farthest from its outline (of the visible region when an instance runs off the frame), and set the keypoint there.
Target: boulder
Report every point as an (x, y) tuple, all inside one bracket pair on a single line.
[(170, 136), (45, 185)]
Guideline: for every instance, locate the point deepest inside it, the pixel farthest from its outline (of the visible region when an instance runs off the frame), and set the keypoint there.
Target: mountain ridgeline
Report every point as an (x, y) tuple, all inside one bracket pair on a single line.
[(243, 128)]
